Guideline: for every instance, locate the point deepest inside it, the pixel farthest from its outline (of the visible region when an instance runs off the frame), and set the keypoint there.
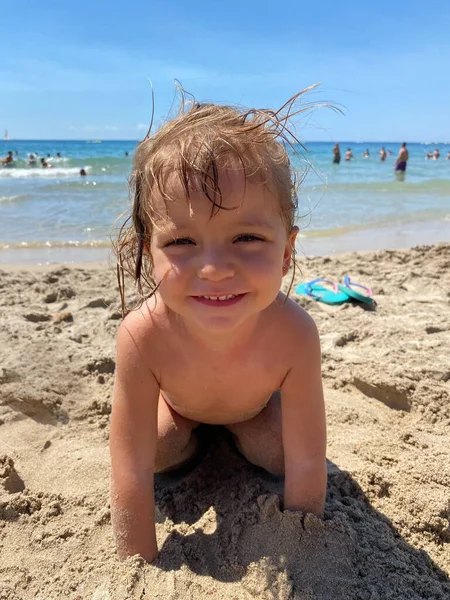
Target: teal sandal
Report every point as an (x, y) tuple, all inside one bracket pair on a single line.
[(348, 286), (318, 292)]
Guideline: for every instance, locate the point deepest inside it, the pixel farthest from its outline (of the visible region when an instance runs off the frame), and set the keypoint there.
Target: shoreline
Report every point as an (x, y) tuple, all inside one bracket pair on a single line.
[(400, 237), (365, 240)]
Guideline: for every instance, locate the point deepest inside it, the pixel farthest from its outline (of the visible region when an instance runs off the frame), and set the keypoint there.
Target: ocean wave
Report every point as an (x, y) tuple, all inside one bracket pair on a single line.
[(84, 186), (11, 198), (40, 173), (56, 244)]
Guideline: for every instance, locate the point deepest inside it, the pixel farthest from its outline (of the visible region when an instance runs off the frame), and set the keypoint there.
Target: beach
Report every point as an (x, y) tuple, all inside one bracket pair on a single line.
[(221, 531)]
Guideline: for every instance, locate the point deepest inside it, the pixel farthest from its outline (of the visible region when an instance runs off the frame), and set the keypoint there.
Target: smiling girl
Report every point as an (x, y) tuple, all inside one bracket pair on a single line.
[(213, 340)]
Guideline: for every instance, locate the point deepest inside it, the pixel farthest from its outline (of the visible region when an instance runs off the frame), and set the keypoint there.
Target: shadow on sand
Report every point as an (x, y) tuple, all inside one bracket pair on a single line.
[(226, 515)]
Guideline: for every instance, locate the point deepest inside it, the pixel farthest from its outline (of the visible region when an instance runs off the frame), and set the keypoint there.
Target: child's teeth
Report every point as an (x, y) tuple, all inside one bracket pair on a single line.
[(228, 297)]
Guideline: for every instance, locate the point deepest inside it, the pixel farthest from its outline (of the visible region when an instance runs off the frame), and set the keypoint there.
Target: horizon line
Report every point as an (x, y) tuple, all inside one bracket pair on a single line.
[(101, 140)]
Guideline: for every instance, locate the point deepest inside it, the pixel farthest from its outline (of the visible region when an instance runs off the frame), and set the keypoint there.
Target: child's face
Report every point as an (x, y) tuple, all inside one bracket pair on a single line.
[(240, 254)]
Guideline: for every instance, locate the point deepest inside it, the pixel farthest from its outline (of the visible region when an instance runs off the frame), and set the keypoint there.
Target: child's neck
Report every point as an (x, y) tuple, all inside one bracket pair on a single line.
[(226, 342)]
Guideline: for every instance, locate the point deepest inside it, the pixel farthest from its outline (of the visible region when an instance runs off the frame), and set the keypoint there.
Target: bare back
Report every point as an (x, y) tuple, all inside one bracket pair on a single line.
[(403, 155)]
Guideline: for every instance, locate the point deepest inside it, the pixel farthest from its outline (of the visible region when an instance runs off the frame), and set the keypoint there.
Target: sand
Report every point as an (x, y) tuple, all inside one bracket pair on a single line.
[(220, 529)]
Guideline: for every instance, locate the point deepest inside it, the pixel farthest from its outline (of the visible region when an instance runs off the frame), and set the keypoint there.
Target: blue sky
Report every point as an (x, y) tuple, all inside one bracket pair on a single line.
[(79, 70)]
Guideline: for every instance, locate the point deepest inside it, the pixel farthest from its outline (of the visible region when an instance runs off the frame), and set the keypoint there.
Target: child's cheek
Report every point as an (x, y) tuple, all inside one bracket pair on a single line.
[(160, 264), (169, 266), (267, 263)]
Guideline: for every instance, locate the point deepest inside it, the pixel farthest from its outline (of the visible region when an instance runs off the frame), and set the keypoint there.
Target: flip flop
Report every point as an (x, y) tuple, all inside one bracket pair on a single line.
[(348, 286), (318, 292)]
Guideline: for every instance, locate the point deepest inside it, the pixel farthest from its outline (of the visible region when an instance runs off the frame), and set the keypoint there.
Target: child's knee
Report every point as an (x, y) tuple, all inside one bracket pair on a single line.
[(268, 457), (174, 447), (274, 463)]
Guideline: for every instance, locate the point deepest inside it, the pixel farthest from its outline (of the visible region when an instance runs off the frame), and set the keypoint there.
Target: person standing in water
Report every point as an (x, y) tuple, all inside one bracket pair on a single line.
[(402, 159), (382, 154), (336, 154), (349, 154)]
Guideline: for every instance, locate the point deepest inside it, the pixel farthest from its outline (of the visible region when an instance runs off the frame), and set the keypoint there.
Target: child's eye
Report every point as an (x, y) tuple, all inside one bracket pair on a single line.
[(249, 237), (180, 242)]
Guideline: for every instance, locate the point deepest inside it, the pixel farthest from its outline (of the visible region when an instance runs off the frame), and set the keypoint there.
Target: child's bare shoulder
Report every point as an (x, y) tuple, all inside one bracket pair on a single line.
[(142, 326), (296, 324)]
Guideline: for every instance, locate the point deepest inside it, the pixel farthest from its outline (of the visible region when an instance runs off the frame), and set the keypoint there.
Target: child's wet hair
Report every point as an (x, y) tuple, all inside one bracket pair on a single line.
[(190, 150)]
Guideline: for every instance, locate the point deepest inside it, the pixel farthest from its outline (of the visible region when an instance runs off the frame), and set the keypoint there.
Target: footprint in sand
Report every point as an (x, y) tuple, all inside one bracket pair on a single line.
[(41, 407), (394, 394)]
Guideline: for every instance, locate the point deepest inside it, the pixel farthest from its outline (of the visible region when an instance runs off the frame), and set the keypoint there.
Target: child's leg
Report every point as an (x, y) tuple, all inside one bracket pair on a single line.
[(260, 439), (177, 442)]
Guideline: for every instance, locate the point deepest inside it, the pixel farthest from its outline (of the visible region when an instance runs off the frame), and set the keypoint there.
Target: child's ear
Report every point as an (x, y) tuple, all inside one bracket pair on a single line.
[(293, 236), (289, 249)]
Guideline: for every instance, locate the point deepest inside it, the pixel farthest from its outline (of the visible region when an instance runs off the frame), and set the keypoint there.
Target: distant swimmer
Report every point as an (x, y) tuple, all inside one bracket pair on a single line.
[(336, 154), (436, 154), (127, 154), (366, 153), (32, 160), (45, 164), (389, 152), (58, 155), (348, 154), (83, 172), (382, 154), (448, 156), (8, 160), (402, 159)]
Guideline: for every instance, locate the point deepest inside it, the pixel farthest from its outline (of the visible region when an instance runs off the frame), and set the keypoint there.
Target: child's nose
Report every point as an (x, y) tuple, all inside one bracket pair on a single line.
[(215, 266)]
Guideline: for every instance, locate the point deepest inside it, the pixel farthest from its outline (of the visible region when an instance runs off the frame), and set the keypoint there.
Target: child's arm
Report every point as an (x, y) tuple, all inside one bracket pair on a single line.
[(304, 428), (133, 437)]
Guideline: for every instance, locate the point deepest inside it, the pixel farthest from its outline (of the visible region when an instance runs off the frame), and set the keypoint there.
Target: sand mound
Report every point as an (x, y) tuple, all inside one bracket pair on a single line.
[(220, 528)]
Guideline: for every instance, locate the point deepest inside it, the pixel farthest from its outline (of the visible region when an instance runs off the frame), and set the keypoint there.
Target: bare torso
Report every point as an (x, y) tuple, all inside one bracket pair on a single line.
[(221, 387), (403, 155)]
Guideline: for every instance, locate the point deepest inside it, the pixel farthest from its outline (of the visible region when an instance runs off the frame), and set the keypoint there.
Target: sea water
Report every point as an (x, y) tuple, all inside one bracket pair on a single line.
[(56, 214)]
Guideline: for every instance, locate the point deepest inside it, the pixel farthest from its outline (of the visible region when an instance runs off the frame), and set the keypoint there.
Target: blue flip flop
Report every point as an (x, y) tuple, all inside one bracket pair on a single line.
[(318, 292), (348, 286)]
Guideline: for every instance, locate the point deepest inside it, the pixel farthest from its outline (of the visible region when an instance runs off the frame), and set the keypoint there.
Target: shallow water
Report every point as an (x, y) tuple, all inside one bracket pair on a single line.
[(48, 211)]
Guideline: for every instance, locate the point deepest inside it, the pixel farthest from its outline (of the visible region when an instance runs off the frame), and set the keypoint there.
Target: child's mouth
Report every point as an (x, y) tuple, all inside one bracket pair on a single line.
[(222, 300)]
